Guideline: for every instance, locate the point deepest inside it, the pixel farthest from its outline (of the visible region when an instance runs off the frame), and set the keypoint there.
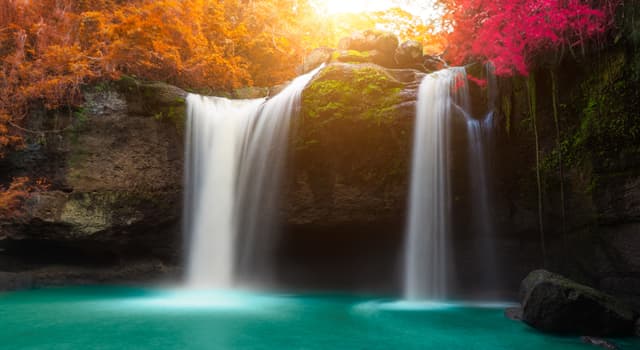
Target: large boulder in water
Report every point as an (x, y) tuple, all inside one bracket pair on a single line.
[(553, 303)]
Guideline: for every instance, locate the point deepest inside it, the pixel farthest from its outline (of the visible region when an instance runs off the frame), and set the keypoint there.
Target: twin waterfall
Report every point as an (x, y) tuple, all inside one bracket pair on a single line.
[(235, 152), (428, 253), (235, 155)]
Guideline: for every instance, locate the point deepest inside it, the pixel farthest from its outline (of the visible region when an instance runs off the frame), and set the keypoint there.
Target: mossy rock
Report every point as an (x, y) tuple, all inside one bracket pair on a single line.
[(157, 99), (352, 56), (353, 131), (371, 56), (363, 91), (372, 39)]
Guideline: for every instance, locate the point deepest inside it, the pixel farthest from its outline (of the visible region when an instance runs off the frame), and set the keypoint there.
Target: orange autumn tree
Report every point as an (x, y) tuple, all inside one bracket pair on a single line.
[(50, 49), (187, 43), (41, 65)]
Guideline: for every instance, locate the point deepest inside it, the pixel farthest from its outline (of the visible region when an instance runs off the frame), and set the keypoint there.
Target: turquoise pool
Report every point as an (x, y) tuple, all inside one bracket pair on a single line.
[(129, 318)]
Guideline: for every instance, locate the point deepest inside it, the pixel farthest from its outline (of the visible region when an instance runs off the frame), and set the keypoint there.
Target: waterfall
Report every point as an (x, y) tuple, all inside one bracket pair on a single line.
[(259, 179), (234, 156), (479, 138), (214, 131), (442, 95), (426, 264)]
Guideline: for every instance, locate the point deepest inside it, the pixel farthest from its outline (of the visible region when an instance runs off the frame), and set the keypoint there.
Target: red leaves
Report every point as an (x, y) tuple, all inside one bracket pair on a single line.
[(511, 33), (482, 83)]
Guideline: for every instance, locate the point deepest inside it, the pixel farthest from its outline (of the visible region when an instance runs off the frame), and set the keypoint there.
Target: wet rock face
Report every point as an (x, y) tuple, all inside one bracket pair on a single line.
[(552, 303), (115, 175), (352, 147)]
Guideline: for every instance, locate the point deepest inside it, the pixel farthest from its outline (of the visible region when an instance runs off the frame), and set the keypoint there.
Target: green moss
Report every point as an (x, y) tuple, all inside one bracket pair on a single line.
[(361, 92), (350, 124), (174, 115), (352, 56), (161, 101), (609, 117)]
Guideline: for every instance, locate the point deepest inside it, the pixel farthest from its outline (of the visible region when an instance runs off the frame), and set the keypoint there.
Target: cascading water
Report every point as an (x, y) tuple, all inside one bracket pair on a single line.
[(479, 137), (214, 131), (259, 179), (235, 152), (426, 264)]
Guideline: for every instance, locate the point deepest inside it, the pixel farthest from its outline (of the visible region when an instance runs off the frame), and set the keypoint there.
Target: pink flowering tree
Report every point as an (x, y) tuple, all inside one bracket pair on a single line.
[(513, 33)]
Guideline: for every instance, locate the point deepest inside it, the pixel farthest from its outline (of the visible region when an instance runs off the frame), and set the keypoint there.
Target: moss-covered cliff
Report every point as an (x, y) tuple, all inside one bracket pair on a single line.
[(598, 105)]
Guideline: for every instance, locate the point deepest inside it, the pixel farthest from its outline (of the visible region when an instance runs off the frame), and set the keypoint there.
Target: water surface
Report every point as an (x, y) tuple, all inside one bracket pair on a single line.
[(130, 318)]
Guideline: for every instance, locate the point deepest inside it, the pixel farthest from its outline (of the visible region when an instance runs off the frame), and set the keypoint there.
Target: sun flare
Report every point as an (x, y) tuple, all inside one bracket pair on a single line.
[(355, 6), (425, 9)]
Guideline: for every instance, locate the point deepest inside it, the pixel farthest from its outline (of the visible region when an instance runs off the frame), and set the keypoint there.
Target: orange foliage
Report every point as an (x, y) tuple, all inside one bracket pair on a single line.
[(49, 49), (11, 198)]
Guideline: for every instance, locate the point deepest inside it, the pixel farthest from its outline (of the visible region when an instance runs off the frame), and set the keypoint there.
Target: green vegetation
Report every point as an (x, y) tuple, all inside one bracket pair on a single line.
[(608, 128), (363, 92), (350, 121)]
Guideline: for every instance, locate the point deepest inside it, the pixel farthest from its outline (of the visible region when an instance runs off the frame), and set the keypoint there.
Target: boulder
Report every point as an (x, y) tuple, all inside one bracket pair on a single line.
[(553, 303), (372, 56), (409, 54), (315, 58), (384, 44)]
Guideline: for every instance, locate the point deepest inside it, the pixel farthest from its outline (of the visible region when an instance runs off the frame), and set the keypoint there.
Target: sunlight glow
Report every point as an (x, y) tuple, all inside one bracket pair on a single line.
[(427, 9), (355, 6)]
